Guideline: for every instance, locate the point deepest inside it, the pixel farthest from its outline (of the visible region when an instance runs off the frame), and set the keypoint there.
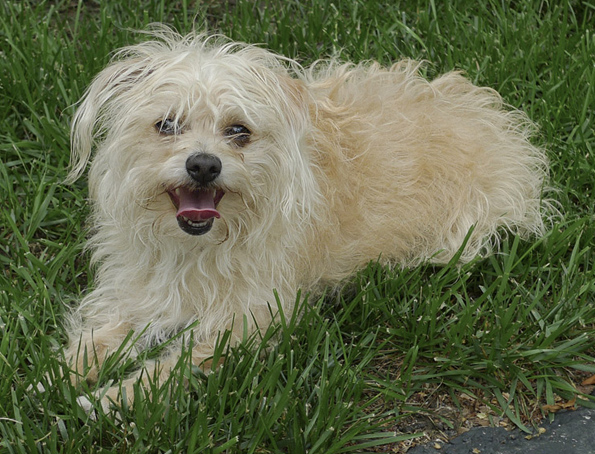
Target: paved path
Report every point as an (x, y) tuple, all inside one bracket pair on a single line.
[(572, 432)]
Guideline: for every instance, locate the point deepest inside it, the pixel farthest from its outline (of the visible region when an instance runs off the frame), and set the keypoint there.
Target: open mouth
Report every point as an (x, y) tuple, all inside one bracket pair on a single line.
[(196, 208)]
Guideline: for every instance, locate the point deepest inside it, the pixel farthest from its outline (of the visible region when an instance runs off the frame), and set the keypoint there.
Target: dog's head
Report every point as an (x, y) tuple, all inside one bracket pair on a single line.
[(193, 133)]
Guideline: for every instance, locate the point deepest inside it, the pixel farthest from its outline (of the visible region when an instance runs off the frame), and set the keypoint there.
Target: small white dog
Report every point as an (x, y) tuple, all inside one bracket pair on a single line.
[(223, 172)]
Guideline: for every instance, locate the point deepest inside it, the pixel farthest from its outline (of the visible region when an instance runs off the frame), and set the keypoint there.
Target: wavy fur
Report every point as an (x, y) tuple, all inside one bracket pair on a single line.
[(346, 164)]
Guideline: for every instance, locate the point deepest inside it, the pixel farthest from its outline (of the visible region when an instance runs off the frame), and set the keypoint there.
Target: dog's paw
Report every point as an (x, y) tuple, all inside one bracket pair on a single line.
[(91, 407), (104, 400), (48, 382), (36, 387)]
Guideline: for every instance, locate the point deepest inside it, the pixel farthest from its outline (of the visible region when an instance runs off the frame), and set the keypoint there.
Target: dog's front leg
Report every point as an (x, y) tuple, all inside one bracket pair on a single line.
[(152, 377), (154, 374), (90, 346)]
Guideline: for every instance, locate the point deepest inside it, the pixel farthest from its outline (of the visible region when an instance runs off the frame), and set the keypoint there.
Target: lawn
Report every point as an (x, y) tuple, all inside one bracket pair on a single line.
[(397, 356)]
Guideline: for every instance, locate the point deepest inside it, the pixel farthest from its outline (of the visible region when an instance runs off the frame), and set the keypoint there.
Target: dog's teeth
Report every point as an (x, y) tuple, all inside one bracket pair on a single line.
[(193, 223), (177, 191)]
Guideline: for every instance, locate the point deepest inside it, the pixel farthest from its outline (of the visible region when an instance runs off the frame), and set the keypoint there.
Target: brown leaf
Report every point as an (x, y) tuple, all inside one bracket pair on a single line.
[(589, 381), (570, 405)]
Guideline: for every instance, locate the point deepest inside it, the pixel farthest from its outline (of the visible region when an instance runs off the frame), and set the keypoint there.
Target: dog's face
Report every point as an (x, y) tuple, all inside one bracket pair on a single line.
[(195, 140)]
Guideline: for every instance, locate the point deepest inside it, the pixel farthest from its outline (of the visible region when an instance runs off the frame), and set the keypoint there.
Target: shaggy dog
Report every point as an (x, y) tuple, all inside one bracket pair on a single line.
[(223, 172)]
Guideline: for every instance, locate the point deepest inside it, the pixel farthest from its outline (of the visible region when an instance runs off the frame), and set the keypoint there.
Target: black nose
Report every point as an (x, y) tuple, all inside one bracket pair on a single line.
[(203, 167)]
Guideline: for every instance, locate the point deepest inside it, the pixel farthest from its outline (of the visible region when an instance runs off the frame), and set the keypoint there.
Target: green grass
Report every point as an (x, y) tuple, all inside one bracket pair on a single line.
[(513, 331)]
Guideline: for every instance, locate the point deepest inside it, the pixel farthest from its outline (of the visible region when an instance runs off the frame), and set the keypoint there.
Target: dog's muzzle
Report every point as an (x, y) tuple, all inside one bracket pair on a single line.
[(196, 203)]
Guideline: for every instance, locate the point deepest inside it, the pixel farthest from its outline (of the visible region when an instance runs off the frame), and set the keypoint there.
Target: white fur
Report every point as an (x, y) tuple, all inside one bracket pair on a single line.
[(346, 164)]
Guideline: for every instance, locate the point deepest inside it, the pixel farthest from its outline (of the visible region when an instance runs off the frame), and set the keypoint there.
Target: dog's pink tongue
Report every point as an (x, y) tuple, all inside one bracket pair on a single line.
[(197, 205)]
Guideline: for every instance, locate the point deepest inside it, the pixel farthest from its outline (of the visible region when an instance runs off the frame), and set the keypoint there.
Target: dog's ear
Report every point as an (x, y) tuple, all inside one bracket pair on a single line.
[(89, 122), (298, 192), (297, 99)]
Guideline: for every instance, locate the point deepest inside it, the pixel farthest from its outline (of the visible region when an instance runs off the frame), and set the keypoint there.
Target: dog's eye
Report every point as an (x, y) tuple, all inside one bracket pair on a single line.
[(238, 134), (168, 127)]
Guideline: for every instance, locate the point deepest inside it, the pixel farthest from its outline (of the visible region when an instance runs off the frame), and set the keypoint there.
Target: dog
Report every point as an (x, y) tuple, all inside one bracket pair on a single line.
[(221, 173)]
